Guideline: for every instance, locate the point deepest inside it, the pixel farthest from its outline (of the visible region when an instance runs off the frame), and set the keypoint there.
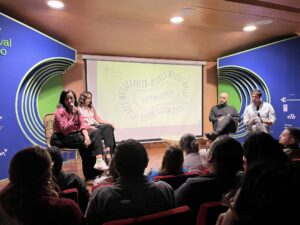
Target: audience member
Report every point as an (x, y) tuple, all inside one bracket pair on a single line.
[(259, 115), (268, 195), (172, 164), (192, 161), (71, 131), (30, 197), (261, 147), (132, 194), (224, 163), (68, 180), (225, 119), (290, 138), (96, 122)]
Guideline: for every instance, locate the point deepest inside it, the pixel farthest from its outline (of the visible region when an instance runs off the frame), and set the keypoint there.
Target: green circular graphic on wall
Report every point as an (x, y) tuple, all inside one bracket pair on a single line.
[(49, 96)]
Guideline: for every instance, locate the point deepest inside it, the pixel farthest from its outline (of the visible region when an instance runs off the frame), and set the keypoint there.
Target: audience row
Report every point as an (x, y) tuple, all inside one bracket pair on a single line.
[(250, 173)]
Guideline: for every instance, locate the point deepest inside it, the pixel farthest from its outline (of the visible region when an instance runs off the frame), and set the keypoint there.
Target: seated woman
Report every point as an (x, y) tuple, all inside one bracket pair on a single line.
[(71, 131), (172, 164), (192, 161), (96, 122), (30, 197)]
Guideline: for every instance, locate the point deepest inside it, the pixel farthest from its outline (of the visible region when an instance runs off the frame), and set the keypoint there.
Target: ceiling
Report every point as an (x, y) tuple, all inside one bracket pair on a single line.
[(141, 28)]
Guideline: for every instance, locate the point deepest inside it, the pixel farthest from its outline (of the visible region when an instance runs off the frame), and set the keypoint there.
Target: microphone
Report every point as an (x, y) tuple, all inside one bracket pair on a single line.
[(73, 107)]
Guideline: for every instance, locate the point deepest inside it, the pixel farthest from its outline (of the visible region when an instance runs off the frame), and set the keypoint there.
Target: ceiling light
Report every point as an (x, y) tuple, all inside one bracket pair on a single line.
[(186, 11), (56, 4), (176, 19), (249, 28), (264, 22)]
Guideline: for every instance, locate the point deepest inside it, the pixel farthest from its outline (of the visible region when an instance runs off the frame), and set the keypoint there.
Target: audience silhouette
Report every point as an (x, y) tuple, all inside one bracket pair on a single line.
[(30, 197), (132, 194)]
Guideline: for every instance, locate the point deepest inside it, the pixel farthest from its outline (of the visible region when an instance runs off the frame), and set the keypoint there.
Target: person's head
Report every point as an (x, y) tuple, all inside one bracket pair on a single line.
[(57, 159), (30, 168), (289, 136), (68, 99), (269, 194), (189, 144), (131, 159), (172, 161), (261, 147), (29, 180), (85, 99), (225, 156), (256, 97), (223, 98)]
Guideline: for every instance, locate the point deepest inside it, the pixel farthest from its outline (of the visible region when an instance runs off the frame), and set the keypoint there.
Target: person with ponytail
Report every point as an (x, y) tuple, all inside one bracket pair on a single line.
[(190, 146)]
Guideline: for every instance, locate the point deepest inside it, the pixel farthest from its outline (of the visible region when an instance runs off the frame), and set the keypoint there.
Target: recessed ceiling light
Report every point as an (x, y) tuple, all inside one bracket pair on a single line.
[(56, 4), (264, 22), (186, 11), (177, 19), (249, 28)]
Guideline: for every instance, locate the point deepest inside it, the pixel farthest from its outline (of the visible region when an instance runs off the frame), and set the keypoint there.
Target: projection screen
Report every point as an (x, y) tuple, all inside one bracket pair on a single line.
[(147, 99)]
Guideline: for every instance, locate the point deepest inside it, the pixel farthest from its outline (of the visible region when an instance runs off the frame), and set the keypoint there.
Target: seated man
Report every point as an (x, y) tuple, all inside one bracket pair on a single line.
[(132, 194), (68, 180), (290, 138), (259, 115), (225, 118)]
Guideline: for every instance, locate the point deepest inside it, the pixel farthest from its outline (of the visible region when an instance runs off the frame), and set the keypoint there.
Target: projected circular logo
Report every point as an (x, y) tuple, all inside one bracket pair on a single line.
[(239, 82)]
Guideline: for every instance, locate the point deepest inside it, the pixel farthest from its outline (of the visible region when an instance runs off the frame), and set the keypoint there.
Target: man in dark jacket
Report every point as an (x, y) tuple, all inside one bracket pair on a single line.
[(224, 118)]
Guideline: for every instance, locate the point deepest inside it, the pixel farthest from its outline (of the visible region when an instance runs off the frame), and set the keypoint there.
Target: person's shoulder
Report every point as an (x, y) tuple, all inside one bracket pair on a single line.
[(71, 176), (231, 107), (161, 185), (249, 106), (61, 110), (56, 202), (74, 178), (267, 104), (199, 179), (105, 191)]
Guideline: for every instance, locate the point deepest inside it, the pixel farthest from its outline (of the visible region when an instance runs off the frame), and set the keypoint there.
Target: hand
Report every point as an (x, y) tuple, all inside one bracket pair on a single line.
[(220, 118), (75, 110), (93, 128), (87, 142)]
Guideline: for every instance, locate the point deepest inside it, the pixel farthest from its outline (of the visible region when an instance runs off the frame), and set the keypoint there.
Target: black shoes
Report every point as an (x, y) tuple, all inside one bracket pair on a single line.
[(211, 136)]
